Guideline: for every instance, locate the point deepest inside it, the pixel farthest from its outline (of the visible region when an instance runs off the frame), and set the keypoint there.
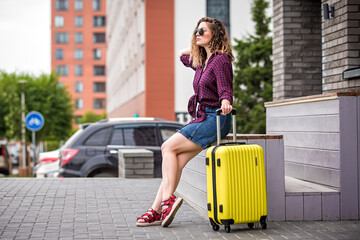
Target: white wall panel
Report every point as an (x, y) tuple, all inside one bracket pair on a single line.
[(187, 14), (125, 58)]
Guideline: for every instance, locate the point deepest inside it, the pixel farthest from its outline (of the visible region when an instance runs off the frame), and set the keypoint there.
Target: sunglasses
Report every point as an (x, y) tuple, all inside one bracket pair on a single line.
[(200, 31)]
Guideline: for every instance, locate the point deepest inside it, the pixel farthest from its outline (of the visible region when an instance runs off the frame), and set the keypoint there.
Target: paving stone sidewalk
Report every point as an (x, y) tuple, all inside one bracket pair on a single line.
[(108, 208)]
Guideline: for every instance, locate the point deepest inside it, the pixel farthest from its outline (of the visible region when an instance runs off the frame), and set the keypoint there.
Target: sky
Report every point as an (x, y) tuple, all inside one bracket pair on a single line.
[(25, 36)]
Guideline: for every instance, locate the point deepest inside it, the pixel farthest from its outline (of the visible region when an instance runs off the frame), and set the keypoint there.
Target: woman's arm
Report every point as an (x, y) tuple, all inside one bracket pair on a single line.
[(224, 78), (184, 52), (185, 58)]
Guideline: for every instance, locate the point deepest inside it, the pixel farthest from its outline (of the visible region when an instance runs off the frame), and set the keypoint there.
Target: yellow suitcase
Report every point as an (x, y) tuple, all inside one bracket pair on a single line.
[(236, 184)]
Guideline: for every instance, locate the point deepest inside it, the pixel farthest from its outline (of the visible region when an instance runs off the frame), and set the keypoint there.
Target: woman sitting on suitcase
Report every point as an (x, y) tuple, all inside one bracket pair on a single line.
[(210, 56)]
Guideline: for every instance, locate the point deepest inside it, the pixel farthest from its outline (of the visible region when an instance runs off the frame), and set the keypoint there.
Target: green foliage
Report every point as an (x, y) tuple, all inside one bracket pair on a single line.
[(10, 106), (90, 117), (42, 94), (52, 145), (253, 73)]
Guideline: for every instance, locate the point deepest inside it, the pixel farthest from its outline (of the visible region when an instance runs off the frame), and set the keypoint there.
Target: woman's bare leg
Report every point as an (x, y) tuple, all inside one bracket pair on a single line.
[(171, 171), (182, 159)]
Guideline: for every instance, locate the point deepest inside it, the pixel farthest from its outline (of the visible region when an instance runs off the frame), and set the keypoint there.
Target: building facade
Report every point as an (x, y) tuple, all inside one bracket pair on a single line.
[(314, 53), (316, 107), (145, 76), (140, 75), (78, 51)]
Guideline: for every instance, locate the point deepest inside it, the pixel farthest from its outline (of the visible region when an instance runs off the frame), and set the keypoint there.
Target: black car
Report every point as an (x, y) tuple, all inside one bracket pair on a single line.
[(93, 150)]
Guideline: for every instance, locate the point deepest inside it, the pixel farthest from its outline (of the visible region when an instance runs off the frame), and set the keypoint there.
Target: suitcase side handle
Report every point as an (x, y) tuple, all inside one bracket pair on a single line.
[(218, 112)]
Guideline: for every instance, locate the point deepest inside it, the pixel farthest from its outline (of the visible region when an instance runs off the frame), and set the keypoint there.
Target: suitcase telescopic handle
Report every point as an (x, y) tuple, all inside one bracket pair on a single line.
[(233, 113)]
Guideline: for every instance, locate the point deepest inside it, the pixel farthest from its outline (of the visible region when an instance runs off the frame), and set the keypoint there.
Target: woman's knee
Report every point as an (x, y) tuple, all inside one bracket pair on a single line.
[(166, 147), (170, 145)]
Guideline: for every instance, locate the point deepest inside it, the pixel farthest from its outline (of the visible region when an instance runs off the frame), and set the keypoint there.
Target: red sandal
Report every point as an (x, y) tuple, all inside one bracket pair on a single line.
[(168, 214), (151, 218)]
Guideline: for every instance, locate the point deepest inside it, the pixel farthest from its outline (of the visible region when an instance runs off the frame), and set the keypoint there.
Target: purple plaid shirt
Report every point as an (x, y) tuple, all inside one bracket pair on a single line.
[(211, 86)]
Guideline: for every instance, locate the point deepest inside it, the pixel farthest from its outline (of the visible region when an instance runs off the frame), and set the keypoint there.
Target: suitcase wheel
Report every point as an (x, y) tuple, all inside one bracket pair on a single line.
[(250, 225), (216, 227), (227, 228)]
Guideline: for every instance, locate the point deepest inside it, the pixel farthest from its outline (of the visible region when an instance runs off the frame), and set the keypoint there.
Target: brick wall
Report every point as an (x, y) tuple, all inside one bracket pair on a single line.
[(296, 48), (341, 37), (136, 163)]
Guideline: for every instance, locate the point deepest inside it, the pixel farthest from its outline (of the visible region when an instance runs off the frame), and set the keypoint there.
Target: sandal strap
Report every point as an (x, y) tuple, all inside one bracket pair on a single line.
[(169, 201), (150, 216), (146, 219), (165, 203), (166, 212)]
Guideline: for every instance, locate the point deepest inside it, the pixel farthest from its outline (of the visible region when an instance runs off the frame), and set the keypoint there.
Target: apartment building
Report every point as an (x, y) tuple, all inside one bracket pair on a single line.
[(145, 76), (78, 51)]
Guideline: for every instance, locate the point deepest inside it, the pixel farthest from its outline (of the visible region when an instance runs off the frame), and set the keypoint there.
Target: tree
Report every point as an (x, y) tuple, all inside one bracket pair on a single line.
[(90, 117), (253, 73), (42, 94)]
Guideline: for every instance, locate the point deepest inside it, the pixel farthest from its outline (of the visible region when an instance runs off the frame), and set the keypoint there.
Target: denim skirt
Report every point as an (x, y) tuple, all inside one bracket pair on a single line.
[(204, 133)]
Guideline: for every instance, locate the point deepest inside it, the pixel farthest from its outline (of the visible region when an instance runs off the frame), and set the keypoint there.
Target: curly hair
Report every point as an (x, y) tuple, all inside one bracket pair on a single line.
[(219, 42)]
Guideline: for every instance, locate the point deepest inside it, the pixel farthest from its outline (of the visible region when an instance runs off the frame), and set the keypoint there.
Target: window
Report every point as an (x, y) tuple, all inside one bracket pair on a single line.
[(167, 132), (78, 70), (99, 138), (99, 70), (78, 37), (61, 37), (78, 54), (219, 10), (96, 5), (59, 84), (59, 54), (99, 103), (59, 21), (98, 21), (141, 136), (62, 70), (78, 5), (97, 53), (99, 87), (78, 21), (62, 4), (99, 37), (79, 103), (117, 137), (79, 87)]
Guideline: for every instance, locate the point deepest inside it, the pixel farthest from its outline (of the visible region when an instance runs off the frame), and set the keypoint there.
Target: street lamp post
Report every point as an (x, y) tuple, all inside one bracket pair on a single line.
[(23, 143)]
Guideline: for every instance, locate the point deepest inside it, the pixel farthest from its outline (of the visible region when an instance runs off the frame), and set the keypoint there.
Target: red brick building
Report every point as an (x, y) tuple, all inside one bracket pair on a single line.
[(78, 51)]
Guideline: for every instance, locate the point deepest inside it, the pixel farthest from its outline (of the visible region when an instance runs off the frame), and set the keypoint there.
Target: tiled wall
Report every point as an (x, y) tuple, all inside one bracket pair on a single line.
[(341, 47), (296, 49), (311, 52)]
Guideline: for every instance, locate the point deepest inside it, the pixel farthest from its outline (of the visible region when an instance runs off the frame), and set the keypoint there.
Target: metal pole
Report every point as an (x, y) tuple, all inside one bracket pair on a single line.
[(34, 146), (23, 143)]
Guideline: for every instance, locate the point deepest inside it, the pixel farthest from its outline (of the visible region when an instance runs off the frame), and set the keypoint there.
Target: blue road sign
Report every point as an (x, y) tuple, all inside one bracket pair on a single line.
[(34, 121)]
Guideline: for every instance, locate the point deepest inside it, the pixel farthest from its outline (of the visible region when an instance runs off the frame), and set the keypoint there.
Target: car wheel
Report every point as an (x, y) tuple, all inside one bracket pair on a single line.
[(104, 174)]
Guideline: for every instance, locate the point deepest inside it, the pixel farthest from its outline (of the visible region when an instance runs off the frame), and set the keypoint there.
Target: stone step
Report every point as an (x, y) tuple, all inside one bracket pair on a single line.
[(293, 185), (310, 201)]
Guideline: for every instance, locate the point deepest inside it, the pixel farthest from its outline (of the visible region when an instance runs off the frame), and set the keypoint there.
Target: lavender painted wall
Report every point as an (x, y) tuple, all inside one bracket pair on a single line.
[(322, 142)]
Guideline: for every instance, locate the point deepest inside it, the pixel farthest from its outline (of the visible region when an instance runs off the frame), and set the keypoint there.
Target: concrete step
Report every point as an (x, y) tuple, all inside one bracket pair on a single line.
[(310, 201)]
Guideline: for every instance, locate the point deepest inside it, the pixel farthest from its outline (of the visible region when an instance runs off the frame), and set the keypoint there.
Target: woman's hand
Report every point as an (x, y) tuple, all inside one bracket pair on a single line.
[(225, 106), (184, 52)]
